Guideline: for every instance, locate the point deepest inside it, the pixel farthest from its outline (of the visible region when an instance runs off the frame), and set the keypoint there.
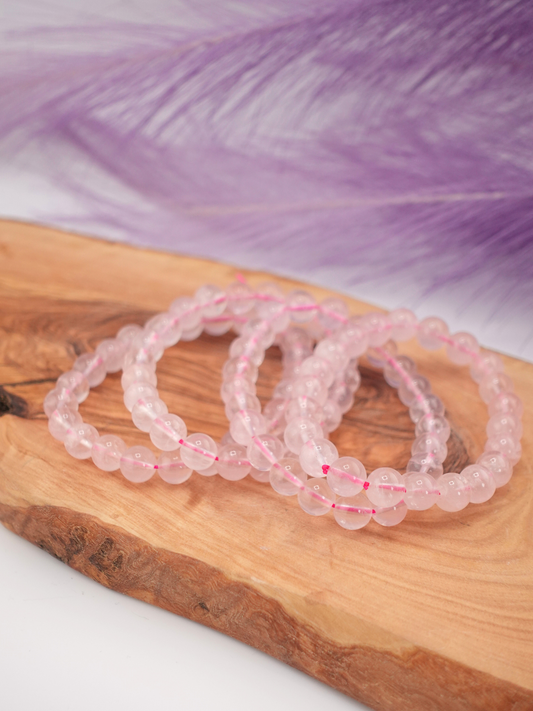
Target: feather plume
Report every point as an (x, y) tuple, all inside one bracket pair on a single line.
[(377, 142)]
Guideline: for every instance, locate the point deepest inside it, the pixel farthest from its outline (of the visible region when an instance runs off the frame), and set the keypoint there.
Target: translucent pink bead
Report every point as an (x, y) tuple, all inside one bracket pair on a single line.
[(507, 445), (405, 392), (346, 476), (498, 465), (261, 331), (192, 334), (430, 404), (233, 463), (107, 451), (212, 299), (275, 312), (454, 492), (354, 338), (464, 349), (430, 444), (239, 368), (275, 416), (137, 464), (112, 352), (188, 310), (127, 334), (285, 389), (57, 397), (62, 420), (230, 387), (333, 313), (505, 423), (393, 377), (262, 477), (171, 468), (425, 463), (436, 425), (316, 498), (287, 476), (240, 299), (268, 292), (378, 357), (210, 471), (138, 373), (378, 327), (353, 512), (245, 424), (404, 324), (385, 487), (334, 352), (264, 450), (331, 416), (145, 411), (310, 386), (218, 326), (429, 332), (391, 516), (341, 394), (319, 368), (241, 401), (147, 348), (316, 454), (247, 347), (75, 382), (79, 441), (506, 402), (92, 366), (352, 376), (166, 431), (299, 431), (421, 491), (486, 363), (138, 391), (303, 406), (481, 483), (198, 451), (166, 328), (302, 306), (495, 384)]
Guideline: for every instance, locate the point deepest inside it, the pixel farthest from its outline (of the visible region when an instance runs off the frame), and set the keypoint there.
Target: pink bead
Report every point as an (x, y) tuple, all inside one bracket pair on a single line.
[(454, 492), (429, 404), (464, 349), (505, 423), (334, 352), (404, 324), (198, 451), (492, 385), (212, 299), (74, 382), (353, 338), (241, 401), (506, 402), (171, 468), (316, 498), (147, 348), (498, 465), (319, 368), (378, 327), (287, 476), (275, 416), (138, 391), (192, 334), (302, 306), (299, 431), (303, 406), (353, 512), (315, 454), (230, 387), (112, 352), (285, 389), (246, 424), (331, 416), (146, 410), (210, 471), (239, 368), (333, 313), (430, 444), (233, 463), (262, 477), (107, 451), (430, 333), (506, 445), (346, 476), (79, 441), (218, 326), (379, 357), (481, 483), (261, 331), (436, 425), (391, 516), (166, 328), (310, 386), (424, 463), (137, 464), (245, 347), (342, 395), (188, 310), (393, 377), (127, 334), (166, 431), (57, 397), (62, 420), (385, 487), (486, 363), (269, 293), (240, 299), (405, 391), (138, 373), (421, 491), (264, 450)]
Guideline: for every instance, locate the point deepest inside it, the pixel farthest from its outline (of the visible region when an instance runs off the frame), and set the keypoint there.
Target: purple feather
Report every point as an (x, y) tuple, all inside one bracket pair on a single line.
[(376, 141)]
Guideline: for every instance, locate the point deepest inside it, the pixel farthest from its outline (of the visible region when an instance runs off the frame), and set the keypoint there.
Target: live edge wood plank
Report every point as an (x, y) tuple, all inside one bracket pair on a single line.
[(435, 614)]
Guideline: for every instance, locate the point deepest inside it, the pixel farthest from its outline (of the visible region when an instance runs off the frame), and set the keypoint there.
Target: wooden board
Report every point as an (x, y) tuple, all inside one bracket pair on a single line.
[(436, 613)]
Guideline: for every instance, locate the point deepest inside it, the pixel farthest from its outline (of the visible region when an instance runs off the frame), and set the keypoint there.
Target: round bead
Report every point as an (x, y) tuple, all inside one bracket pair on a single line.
[(378, 327), (145, 411), (210, 471), (245, 424), (357, 514), (506, 402), (239, 368), (315, 454), (263, 450), (75, 382), (219, 325), (379, 358), (233, 464), (287, 476), (318, 367), (333, 313), (454, 492), (79, 441), (436, 425), (354, 338), (430, 332), (230, 387), (316, 498), (385, 487), (127, 334), (424, 462), (486, 363), (62, 420), (299, 431), (303, 406), (302, 306), (498, 465), (429, 404), (192, 334), (166, 431), (212, 300), (241, 401), (334, 352), (404, 324), (274, 413), (57, 397), (310, 386), (430, 444), (391, 516), (261, 331), (342, 395), (198, 451), (481, 483), (393, 377), (506, 444), (406, 393), (346, 476), (188, 310), (262, 477), (165, 328), (505, 423), (92, 366), (107, 451), (146, 348), (331, 416), (137, 464), (495, 384), (464, 349), (139, 391), (112, 352), (171, 468), (240, 298), (247, 347), (421, 491), (138, 373)]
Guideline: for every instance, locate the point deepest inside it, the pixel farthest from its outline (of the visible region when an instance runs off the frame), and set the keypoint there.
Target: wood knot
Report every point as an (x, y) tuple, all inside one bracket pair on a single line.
[(12, 404)]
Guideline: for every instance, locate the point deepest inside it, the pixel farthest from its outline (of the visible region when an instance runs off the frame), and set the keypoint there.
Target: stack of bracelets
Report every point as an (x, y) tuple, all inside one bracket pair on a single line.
[(287, 444)]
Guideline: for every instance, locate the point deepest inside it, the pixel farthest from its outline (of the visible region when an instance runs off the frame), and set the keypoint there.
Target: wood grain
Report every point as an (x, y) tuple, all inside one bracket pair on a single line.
[(436, 613)]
